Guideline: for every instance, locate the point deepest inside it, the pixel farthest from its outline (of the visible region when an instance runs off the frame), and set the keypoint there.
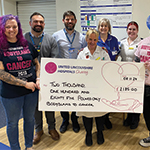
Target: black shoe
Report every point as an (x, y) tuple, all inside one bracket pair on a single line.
[(100, 138), (127, 122), (63, 127), (88, 140), (107, 123), (134, 125), (76, 128)]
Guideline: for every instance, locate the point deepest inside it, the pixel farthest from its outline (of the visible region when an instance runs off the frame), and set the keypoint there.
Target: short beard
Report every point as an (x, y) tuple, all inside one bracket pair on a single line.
[(68, 28), (34, 29)]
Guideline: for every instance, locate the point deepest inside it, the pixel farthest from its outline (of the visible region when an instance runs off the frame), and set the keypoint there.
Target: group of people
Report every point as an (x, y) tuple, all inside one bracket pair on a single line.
[(20, 57)]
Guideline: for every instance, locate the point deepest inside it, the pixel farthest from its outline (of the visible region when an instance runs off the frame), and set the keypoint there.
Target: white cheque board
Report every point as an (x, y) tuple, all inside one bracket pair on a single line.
[(96, 86)]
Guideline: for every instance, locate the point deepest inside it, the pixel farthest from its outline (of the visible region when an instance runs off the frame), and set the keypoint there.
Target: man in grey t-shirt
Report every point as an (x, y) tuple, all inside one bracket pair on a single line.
[(46, 45)]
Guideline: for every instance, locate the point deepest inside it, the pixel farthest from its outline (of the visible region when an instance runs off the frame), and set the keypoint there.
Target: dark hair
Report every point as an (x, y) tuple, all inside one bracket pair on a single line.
[(3, 40), (133, 23), (36, 13), (69, 13)]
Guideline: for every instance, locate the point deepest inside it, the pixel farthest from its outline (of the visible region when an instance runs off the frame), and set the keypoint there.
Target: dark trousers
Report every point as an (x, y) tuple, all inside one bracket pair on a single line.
[(133, 117), (38, 121), (107, 116), (146, 108), (65, 116), (88, 124)]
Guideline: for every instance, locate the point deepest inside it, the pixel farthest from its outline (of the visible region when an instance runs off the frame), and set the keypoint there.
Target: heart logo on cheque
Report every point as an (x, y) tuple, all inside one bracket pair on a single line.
[(117, 76)]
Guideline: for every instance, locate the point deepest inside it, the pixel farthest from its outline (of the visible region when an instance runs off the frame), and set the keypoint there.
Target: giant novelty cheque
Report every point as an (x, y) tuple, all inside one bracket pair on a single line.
[(81, 85)]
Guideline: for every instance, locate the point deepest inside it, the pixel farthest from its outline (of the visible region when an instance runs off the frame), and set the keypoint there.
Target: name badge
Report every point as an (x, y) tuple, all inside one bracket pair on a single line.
[(131, 48), (98, 58), (71, 50), (114, 52)]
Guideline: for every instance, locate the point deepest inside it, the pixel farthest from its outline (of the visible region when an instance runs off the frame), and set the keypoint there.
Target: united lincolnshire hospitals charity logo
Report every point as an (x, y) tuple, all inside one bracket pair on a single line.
[(50, 67)]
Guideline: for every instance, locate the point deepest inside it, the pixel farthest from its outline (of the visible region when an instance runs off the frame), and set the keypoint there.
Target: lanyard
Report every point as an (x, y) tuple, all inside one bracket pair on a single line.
[(69, 39), (38, 47)]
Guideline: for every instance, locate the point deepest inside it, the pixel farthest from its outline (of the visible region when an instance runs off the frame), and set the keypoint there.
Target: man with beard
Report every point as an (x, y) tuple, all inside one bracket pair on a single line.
[(69, 43), (46, 45)]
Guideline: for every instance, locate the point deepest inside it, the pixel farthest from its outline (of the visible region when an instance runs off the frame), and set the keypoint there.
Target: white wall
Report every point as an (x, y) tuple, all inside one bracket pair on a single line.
[(65, 5), (9, 7), (141, 11), (0, 8)]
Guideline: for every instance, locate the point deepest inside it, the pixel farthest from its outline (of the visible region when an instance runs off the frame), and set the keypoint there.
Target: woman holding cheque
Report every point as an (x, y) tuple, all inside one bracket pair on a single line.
[(19, 80), (142, 55), (128, 47), (93, 52), (109, 43)]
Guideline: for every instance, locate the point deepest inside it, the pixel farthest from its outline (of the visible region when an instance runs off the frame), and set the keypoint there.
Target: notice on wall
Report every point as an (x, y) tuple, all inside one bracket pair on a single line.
[(89, 85), (119, 13)]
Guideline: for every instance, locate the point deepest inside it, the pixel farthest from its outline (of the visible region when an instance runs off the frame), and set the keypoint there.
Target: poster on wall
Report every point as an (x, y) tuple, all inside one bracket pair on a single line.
[(119, 13), (93, 86)]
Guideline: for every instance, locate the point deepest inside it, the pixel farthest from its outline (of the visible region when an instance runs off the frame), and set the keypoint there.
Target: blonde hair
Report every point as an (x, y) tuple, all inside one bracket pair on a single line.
[(105, 21), (90, 31)]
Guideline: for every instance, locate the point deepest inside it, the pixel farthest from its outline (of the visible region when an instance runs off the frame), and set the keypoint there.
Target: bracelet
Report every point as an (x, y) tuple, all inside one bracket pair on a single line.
[(25, 83), (37, 78)]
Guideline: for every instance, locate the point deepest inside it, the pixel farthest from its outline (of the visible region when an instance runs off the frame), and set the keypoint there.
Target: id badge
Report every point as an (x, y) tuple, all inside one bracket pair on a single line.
[(114, 52), (131, 48), (71, 50)]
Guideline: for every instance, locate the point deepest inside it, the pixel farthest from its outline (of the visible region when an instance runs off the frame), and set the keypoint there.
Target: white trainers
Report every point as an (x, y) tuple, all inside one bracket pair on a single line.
[(145, 142)]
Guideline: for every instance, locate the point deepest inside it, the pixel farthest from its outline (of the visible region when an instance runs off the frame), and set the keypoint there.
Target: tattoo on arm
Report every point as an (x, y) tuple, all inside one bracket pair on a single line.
[(37, 67), (10, 79)]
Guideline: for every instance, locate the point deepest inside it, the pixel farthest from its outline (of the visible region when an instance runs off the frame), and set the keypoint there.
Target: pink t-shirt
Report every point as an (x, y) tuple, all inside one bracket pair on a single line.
[(143, 52)]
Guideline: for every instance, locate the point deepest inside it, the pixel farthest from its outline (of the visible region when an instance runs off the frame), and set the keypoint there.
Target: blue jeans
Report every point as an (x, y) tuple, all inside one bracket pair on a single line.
[(13, 107)]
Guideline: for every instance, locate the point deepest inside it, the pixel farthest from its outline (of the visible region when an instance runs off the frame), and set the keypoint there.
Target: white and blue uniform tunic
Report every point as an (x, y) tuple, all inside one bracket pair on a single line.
[(127, 51), (99, 54), (111, 45)]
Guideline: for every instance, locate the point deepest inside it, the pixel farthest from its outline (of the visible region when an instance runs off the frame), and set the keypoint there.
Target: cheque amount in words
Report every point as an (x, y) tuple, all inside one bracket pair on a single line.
[(68, 91), (66, 84)]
